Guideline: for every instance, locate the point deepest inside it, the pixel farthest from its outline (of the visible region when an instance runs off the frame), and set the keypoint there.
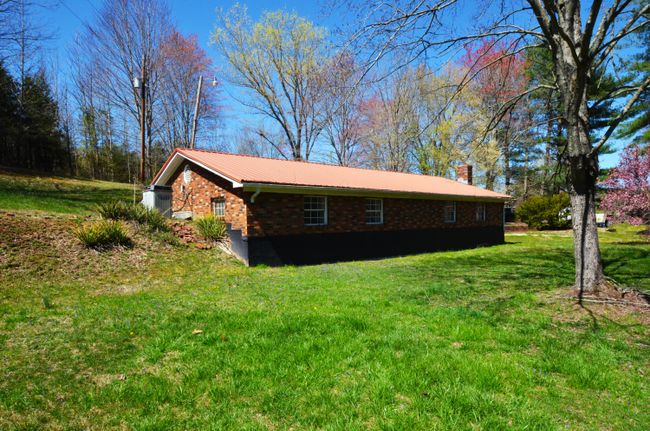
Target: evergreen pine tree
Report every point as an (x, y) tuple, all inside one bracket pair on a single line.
[(9, 118), (42, 141)]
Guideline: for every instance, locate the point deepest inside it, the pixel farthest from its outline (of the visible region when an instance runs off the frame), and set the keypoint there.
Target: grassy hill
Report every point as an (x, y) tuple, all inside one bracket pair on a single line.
[(20, 191), (173, 337)]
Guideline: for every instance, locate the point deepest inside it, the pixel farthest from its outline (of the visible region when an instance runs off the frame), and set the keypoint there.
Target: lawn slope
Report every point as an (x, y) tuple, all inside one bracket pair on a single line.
[(28, 192), (164, 337)]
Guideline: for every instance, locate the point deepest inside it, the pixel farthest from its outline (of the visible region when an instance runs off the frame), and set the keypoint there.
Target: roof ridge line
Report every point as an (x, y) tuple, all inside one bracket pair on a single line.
[(324, 164)]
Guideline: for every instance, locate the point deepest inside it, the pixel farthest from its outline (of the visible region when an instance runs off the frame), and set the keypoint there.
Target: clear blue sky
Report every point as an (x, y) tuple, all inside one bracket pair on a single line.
[(198, 17)]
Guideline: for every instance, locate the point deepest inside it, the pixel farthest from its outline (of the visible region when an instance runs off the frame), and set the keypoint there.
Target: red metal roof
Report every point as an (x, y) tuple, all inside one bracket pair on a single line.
[(248, 169)]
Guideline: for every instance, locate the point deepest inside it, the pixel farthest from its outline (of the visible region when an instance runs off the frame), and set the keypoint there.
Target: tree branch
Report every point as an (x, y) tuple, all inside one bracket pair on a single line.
[(627, 29), (616, 121), (606, 22)]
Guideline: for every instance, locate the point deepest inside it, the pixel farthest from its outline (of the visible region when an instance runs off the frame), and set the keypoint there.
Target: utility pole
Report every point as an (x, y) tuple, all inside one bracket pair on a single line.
[(143, 109), (196, 112)]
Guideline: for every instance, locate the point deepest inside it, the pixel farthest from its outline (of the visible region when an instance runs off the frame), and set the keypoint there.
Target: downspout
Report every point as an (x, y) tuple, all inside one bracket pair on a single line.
[(257, 192)]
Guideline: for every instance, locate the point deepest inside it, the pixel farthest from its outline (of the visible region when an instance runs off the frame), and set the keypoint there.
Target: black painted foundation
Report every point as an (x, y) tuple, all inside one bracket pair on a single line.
[(311, 249)]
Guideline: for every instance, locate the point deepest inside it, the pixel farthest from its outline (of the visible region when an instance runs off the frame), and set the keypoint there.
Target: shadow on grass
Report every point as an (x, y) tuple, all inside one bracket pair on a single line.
[(636, 331), (634, 243), (503, 282)]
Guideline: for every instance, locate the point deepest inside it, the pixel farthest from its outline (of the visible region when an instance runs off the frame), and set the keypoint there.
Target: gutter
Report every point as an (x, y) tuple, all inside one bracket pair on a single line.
[(331, 191)]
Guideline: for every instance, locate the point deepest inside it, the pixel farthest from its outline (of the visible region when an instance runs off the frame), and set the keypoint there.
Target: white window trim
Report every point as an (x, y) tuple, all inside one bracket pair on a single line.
[(215, 200), (481, 208), (381, 210), (325, 218), (444, 215)]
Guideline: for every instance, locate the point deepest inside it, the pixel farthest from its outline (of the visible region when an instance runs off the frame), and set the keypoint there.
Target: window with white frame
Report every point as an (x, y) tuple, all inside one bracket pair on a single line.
[(315, 208), (374, 211), (450, 212), (481, 213), (219, 207)]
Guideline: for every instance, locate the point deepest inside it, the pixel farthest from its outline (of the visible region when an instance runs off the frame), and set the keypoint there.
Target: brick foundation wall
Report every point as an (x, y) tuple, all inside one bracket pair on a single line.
[(202, 188), (282, 214)]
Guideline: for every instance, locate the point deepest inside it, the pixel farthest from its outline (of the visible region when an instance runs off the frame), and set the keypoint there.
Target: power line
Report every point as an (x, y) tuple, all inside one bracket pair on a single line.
[(65, 5)]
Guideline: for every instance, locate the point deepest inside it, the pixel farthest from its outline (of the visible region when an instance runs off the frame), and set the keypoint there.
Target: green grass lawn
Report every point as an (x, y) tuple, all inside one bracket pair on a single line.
[(162, 337), (58, 194)]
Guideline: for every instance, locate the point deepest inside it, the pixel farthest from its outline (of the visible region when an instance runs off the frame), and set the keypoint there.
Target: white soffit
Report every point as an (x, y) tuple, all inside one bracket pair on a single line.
[(176, 162)]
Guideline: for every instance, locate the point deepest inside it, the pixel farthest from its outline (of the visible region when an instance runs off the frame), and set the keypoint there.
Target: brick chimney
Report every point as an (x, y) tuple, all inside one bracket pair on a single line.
[(464, 174)]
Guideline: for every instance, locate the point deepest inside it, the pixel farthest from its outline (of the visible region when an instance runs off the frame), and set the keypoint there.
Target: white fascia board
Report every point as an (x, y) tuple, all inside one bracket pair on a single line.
[(175, 163), (333, 191)]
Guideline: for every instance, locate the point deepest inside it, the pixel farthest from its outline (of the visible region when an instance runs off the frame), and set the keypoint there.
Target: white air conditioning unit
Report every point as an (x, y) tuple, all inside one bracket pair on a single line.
[(159, 198)]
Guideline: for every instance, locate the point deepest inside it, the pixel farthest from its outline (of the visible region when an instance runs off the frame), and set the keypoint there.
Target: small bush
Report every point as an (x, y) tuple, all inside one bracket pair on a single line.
[(211, 228), (114, 210), (103, 233), (119, 210), (139, 213), (545, 212), (155, 221)]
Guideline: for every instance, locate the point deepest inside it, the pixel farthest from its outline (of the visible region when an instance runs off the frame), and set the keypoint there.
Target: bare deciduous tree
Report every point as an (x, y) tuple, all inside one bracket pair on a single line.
[(122, 44), (7, 22), (342, 99), (276, 60), (390, 125), (577, 46), (250, 141), (22, 34), (183, 62)]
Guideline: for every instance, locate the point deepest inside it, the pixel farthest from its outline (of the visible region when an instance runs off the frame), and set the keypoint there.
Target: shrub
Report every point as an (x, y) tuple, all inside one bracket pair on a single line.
[(103, 233), (545, 212), (211, 228), (119, 210), (155, 221), (139, 213), (114, 210)]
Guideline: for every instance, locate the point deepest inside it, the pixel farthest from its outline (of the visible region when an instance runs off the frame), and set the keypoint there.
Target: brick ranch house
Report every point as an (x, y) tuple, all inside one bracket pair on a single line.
[(290, 212)]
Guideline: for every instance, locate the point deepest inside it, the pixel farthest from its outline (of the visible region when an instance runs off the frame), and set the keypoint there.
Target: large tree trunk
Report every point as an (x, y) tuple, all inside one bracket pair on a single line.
[(573, 79), (583, 173), (589, 272)]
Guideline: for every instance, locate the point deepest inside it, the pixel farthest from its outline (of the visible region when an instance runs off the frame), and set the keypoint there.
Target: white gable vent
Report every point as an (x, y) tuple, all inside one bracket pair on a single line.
[(187, 174)]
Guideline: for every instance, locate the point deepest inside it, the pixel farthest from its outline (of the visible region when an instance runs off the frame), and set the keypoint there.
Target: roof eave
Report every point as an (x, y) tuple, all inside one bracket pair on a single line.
[(174, 162), (349, 191)]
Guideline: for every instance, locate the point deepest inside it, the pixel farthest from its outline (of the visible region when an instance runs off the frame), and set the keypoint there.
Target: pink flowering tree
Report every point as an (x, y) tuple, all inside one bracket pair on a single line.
[(627, 198)]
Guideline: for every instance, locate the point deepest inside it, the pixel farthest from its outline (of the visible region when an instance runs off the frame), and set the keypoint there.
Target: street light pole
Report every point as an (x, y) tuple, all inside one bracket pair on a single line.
[(197, 105), (196, 112)]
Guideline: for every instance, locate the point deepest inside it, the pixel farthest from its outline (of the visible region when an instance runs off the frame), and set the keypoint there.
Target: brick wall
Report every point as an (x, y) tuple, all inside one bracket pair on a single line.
[(282, 214), (202, 188)]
